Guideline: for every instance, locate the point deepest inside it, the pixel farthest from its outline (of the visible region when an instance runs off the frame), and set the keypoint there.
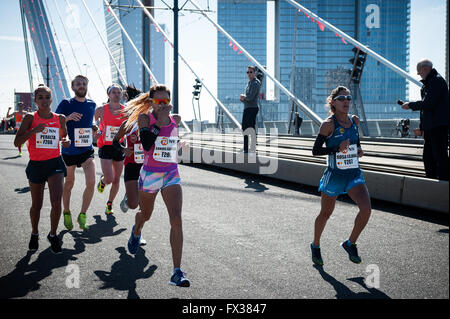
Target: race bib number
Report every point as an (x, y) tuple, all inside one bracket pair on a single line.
[(48, 138), (83, 137), (111, 131), (18, 125), (138, 153), (166, 149), (349, 158)]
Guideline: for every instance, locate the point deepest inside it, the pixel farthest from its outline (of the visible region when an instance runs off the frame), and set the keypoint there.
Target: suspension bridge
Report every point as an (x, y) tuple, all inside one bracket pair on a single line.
[(238, 210)]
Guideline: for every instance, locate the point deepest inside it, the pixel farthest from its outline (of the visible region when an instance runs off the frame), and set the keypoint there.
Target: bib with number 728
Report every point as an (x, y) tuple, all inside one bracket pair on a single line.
[(166, 149), (348, 159), (48, 138)]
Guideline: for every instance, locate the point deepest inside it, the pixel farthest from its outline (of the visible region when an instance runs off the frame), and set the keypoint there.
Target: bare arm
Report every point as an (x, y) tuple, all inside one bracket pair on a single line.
[(64, 139), (23, 134)]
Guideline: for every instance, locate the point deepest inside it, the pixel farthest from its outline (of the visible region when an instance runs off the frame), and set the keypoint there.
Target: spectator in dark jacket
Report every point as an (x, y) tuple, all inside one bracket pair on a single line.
[(250, 100), (434, 109)]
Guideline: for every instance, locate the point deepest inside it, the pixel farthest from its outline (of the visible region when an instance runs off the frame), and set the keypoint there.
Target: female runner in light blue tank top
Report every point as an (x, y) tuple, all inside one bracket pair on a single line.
[(342, 175)]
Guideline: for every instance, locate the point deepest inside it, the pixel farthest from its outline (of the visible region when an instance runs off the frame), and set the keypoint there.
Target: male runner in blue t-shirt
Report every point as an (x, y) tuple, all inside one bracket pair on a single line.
[(79, 112)]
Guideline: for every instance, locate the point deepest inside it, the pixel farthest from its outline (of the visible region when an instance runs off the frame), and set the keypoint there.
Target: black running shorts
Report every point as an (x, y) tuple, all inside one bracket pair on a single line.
[(109, 152), (132, 171), (38, 172), (79, 159)]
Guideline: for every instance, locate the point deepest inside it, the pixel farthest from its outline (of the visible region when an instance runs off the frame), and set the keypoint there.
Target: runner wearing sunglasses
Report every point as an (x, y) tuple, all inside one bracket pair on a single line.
[(343, 175), (110, 117), (158, 133)]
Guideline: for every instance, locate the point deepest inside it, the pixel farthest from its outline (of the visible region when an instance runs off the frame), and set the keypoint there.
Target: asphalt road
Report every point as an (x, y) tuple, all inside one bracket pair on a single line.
[(244, 237)]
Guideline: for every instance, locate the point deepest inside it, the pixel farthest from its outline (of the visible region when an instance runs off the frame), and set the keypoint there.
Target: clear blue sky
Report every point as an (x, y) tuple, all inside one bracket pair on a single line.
[(198, 45)]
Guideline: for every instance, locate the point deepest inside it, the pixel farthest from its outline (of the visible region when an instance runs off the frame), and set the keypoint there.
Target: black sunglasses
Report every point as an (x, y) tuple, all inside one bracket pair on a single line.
[(343, 98), (249, 72)]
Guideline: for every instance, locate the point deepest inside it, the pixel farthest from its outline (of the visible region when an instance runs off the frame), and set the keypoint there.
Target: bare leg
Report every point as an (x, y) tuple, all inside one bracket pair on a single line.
[(326, 210), (146, 202), (68, 185), (37, 198), (360, 195), (117, 168), (173, 198), (131, 188), (55, 187), (89, 175)]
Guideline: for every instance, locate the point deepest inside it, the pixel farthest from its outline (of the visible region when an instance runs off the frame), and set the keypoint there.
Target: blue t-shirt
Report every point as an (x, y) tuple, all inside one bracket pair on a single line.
[(87, 108)]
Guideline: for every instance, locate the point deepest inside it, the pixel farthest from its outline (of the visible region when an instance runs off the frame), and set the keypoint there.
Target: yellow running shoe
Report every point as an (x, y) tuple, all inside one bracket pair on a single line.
[(82, 221), (101, 185), (68, 220), (109, 210)]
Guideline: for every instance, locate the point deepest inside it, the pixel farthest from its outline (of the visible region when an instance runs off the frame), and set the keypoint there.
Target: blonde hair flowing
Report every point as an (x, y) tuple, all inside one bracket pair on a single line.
[(139, 105)]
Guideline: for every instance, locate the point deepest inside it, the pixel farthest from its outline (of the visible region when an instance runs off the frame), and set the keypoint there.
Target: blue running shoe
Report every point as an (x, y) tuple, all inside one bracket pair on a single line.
[(352, 252), (133, 242), (178, 279)]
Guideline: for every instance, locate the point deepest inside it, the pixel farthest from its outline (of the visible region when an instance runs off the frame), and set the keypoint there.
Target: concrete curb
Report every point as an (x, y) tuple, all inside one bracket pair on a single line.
[(411, 191)]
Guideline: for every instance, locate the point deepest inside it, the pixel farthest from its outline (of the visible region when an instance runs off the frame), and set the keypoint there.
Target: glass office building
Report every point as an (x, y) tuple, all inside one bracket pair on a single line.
[(149, 43), (321, 58), (246, 22)]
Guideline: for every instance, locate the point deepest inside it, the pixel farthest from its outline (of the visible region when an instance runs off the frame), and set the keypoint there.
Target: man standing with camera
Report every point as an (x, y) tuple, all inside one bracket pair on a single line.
[(434, 109), (250, 100)]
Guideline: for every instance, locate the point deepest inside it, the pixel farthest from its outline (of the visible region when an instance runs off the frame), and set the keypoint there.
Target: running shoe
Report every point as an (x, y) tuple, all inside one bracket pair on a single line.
[(82, 221), (142, 241), (352, 252), (101, 185), (178, 279), (316, 256), (20, 153), (109, 210), (55, 244), (133, 242), (34, 242), (68, 220), (123, 204)]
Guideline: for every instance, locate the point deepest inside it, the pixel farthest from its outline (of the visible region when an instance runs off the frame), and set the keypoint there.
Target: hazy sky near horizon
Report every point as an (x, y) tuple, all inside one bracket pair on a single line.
[(198, 45)]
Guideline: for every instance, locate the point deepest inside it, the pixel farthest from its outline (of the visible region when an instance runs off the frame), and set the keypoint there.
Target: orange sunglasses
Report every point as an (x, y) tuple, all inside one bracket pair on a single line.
[(161, 101)]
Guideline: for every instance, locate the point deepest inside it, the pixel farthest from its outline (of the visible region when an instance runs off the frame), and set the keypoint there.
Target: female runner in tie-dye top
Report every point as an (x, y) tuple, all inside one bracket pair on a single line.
[(158, 132)]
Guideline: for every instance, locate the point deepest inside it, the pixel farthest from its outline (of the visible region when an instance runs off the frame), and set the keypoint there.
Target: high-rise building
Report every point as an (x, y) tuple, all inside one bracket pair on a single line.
[(321, 58), (146, 39), (246, 22)]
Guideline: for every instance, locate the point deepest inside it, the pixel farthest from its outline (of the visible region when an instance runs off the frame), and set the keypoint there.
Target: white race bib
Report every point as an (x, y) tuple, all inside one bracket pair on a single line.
[(111, 131), (349, 158), (166, 149), (48, 138), (83, 137), (18, 125), (138, 153)]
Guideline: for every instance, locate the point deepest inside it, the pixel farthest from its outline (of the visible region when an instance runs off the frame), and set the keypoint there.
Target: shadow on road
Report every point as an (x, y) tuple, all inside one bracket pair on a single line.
[(95, 233), (11, 157), (343, 292), (126, 271), (255, 184), (25, 277), (22, 190)]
